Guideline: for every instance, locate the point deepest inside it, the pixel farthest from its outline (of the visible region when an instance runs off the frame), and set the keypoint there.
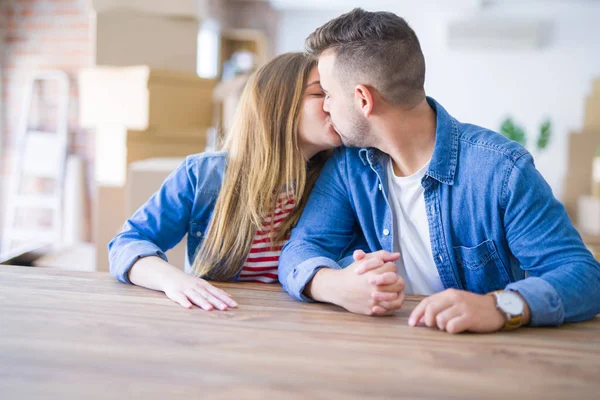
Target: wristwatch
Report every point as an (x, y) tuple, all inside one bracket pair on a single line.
[(512, 306)]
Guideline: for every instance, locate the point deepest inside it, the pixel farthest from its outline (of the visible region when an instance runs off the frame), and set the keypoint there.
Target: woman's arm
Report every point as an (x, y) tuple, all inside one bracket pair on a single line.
[(156, 274)]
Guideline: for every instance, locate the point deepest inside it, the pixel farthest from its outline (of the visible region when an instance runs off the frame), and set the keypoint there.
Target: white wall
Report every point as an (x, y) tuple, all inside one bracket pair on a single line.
[(483, 86)]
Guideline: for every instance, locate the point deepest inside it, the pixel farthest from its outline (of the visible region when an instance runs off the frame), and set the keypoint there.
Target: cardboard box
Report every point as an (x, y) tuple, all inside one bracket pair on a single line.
[(141, 113), (142, 98), (138, 113), (592, 113), (588, 215), (114, 204), (144, 179), (108, 219), (592, 108), (578, 179), (129, 37)]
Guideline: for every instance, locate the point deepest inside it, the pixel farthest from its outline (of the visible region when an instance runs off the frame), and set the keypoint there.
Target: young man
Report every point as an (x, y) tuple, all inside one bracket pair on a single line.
[(477, 228)]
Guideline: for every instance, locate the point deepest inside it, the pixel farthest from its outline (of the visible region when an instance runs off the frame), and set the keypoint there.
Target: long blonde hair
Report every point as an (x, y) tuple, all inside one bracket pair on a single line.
[(264, 162)]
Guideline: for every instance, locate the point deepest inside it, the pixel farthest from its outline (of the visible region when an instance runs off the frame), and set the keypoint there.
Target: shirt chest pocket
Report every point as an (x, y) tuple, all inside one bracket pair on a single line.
[(480, 268)]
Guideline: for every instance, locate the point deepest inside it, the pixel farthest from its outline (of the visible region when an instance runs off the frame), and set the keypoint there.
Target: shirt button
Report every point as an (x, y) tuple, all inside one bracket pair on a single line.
[(198, 233), (386, 232), (380, 187)]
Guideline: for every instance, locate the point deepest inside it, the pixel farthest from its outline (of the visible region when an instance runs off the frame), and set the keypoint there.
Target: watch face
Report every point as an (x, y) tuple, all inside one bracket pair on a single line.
[(510, 303)]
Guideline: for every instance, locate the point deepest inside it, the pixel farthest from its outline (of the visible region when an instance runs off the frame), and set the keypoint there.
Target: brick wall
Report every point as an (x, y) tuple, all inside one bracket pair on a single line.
[(43, 34)]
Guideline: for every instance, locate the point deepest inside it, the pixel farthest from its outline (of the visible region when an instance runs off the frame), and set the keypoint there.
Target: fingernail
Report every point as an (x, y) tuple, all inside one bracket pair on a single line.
[(411, 322)]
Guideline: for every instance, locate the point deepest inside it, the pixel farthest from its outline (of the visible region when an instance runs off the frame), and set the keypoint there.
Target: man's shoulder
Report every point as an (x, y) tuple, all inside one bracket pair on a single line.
[(478, 139)]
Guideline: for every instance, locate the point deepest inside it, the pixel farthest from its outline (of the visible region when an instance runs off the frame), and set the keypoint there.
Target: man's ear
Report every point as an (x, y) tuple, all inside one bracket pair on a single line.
[(363, 96)]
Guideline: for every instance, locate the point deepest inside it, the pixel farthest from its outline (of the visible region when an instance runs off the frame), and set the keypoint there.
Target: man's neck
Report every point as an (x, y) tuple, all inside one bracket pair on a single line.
[(408, 136)]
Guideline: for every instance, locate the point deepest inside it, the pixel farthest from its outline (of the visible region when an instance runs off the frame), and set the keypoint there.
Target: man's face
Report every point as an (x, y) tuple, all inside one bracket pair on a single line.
[(348, 121)]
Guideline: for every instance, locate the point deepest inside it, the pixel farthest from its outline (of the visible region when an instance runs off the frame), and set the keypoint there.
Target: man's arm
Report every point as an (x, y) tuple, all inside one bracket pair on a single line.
[(327, 231), (564, 278)]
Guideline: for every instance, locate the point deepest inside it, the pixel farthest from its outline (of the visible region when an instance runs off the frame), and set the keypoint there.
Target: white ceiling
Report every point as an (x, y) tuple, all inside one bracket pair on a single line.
[(443, 4)]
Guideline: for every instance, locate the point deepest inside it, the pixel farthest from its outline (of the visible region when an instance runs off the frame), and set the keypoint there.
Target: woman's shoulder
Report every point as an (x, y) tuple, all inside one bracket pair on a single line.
[(207, 158), (207, 169)]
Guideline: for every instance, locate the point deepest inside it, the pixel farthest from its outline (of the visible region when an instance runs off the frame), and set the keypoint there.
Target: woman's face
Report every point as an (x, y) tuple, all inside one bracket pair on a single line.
[(316, 133)]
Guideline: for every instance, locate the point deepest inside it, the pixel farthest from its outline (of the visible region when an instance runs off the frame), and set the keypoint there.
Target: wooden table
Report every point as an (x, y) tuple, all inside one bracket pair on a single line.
[(83, 335)]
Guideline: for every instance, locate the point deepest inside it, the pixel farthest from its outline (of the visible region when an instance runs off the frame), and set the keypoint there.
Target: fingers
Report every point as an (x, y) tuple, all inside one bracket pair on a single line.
[(442, 319), (199, 300), (386, 256), (195, 291), (384, 296), (358, 255), (381, 256), (458, 324), (181, 299), (442, 310), (434, 308), (368, 264), (221, 295), (394, 304), (418, 312), (380, 311), (212, 299), (385, 279), (397, 286)]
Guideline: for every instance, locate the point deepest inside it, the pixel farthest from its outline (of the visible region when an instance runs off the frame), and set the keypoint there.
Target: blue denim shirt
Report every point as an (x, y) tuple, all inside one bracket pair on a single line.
[(493, 221), (183, 205)]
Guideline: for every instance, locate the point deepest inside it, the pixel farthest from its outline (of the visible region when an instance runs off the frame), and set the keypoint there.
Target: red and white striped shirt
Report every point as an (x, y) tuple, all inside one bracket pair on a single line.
[(263, 259)]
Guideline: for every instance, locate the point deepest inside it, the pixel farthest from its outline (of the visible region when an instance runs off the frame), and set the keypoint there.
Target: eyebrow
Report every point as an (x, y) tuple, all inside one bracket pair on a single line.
[(314, 83)]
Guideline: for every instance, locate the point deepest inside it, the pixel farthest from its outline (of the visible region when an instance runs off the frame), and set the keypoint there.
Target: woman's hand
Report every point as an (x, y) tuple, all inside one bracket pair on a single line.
[(188, 290), (154, 273)]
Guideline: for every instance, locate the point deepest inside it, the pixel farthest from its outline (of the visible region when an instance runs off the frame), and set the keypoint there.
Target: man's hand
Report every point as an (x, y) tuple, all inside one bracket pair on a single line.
[(377, 292), (456, 311), (386, 303)]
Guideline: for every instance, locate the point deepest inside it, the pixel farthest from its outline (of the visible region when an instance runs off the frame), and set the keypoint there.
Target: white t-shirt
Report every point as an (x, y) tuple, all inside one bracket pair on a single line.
[(411, 233)]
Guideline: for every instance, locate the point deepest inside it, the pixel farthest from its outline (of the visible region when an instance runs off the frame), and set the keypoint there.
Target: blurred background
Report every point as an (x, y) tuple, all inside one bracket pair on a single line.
[(101, 99)]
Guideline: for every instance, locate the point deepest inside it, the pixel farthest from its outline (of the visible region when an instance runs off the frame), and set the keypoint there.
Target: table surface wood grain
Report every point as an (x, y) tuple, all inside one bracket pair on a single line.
[(66, 334)]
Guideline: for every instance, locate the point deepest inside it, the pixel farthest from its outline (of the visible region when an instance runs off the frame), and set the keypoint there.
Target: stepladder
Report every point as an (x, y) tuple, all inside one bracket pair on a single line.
[(35, 197)]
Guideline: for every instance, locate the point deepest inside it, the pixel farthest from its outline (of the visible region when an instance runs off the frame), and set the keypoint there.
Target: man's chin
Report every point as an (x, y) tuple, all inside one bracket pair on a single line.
[(346, 142)]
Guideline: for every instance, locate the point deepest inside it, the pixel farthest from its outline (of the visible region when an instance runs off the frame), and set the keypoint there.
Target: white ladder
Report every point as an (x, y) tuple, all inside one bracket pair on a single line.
[(38, 154)]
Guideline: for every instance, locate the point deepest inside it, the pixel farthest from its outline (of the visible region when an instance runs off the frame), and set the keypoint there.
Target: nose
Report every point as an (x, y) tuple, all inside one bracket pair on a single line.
[(326, 104)]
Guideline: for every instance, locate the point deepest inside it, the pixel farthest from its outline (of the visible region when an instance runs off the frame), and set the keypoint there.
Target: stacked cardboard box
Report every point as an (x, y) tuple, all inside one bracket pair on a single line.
[(138, 113), (584, 208)]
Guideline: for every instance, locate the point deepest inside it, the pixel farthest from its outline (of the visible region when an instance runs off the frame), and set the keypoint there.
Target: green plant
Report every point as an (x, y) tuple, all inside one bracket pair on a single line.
[(515, 132), (545, 134)]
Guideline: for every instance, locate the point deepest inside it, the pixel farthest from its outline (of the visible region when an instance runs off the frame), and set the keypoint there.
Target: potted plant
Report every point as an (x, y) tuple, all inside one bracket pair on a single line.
[(513, 131)]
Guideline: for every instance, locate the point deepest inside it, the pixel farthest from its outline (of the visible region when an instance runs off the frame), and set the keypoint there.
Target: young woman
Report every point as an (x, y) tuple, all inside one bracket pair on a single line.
[(239, 205)]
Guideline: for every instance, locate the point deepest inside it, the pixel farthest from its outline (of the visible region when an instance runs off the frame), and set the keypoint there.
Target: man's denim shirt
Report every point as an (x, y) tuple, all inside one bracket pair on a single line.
[(493, 222)]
